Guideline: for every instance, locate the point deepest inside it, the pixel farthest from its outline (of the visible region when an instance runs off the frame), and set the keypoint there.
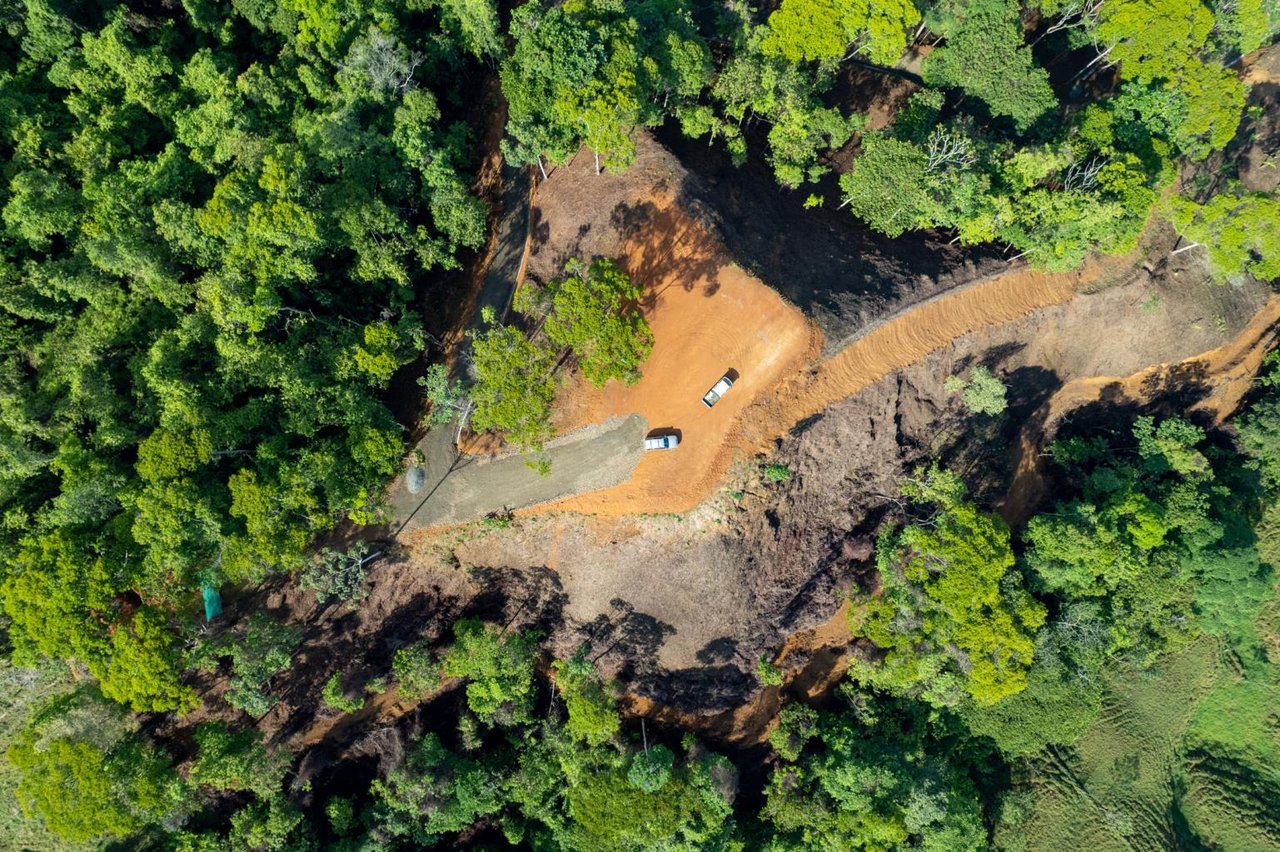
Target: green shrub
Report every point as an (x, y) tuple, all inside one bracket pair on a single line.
[(262, 649), (341, 813), (797, 724), (651, 769), (238, 760), (499, 670), (417, 670), (592, 705), (769, 674), (335, 698), (983, 392), (777, 472), (337, 575)]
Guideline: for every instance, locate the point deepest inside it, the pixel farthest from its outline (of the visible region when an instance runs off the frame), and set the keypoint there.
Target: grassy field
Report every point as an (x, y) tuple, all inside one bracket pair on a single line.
[(1183, 757)]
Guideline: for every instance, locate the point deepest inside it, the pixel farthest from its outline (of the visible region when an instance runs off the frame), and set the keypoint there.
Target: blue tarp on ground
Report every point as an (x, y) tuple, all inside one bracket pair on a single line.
[(212, 603)]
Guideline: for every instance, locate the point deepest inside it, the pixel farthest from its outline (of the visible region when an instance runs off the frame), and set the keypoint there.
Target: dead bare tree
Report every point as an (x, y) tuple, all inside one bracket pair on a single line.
[(1078, 13), (948, 149), (1084, 175)]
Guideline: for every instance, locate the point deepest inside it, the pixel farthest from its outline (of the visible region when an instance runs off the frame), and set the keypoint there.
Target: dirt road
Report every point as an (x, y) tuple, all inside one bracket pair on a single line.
[(889, 346), (460, 488), (706, 319)]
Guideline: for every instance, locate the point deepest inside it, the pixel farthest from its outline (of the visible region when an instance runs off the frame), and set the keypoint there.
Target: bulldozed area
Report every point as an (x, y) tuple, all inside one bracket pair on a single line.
[(683, 577)]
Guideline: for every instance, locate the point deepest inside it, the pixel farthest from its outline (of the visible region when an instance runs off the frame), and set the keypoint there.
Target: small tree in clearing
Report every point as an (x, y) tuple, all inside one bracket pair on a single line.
[(336, 698), (339, 575), (514, 387), (593, 311), (983, 392), (448, 398), (417, 670)]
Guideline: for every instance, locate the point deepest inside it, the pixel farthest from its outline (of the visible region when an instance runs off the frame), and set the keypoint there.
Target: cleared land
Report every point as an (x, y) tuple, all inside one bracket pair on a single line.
[(708, 317), (806, 391), (699, 596)]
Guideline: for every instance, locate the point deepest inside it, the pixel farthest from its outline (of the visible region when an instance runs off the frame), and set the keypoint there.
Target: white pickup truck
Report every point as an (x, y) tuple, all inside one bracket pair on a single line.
[(662, 442), (718, 390)]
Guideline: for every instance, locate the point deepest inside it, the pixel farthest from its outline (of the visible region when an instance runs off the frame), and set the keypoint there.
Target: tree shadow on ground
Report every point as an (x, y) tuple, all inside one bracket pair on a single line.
[(634, 638), (341, 646), (518, 598), (822, 259), (674, 246), (722, 650), (697, 690)]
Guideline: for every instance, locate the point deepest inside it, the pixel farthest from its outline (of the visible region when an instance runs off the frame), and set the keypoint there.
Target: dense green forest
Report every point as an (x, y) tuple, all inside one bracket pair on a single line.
[(223, 228)]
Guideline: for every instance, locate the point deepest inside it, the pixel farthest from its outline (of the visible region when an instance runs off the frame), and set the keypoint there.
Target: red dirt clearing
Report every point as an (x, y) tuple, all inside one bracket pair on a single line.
[(708, 316), (796, 391)]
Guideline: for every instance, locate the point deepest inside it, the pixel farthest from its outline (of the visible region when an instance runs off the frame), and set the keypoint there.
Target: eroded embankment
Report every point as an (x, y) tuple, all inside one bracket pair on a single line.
[(1222, 377)]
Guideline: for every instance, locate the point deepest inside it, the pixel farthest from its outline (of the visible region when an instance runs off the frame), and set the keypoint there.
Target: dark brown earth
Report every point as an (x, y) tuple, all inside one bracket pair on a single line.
[(828, 263)]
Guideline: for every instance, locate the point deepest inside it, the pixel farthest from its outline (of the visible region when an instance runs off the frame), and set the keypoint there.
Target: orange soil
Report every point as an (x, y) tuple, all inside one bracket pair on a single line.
[(669, 485), (1262, 66), (708, 316), (1225, 373)]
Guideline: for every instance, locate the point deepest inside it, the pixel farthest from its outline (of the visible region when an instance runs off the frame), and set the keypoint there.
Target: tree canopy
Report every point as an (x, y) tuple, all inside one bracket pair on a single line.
[(213, 224), (823, 30), (952, 617)]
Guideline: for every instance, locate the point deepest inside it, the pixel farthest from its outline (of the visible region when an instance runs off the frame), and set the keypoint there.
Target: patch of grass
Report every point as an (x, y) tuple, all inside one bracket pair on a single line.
[(335, 698), (1232, 778), (777, 472), (1153, 304)]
